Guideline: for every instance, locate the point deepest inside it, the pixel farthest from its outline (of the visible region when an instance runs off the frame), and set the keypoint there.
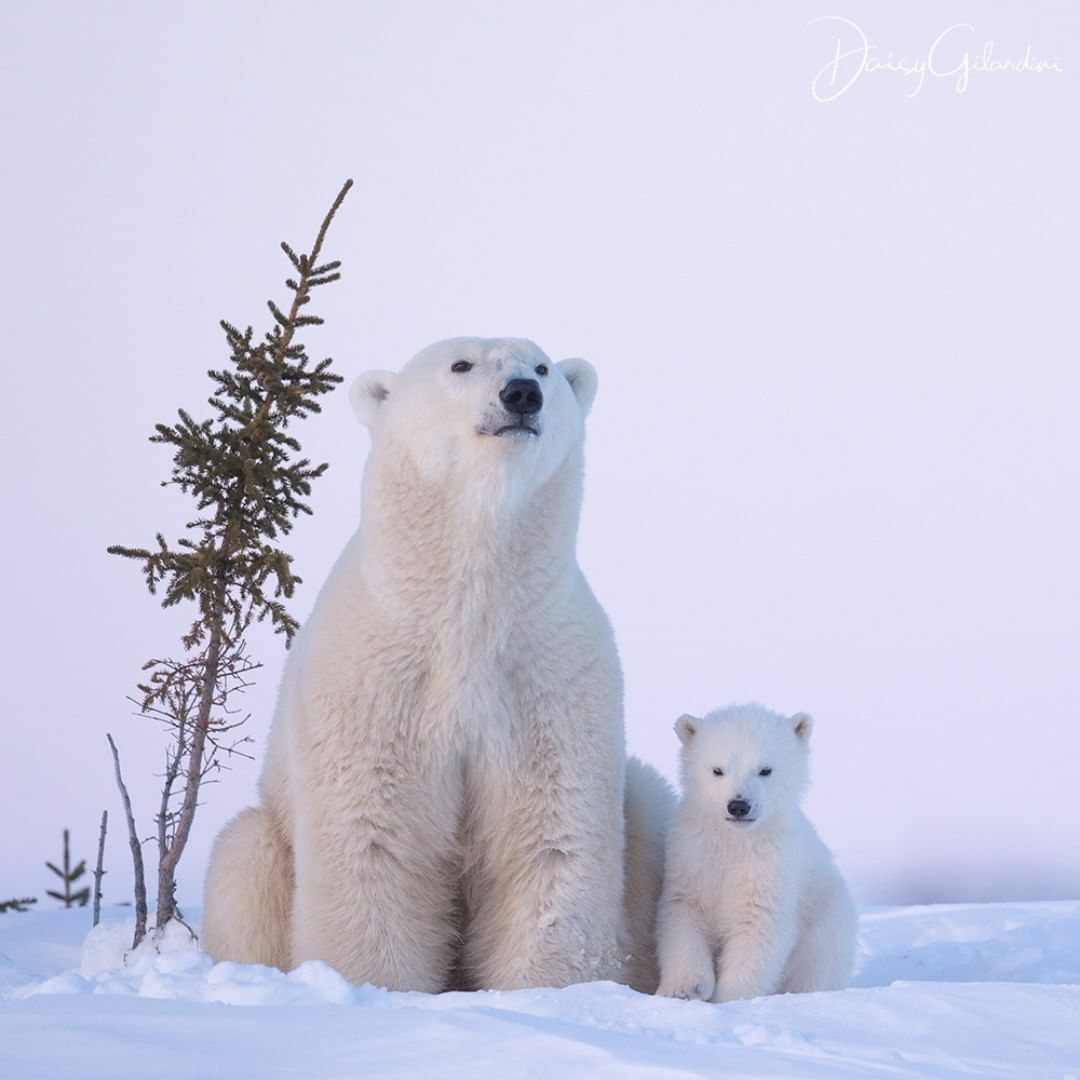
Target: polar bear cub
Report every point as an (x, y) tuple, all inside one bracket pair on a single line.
[(752, 902)]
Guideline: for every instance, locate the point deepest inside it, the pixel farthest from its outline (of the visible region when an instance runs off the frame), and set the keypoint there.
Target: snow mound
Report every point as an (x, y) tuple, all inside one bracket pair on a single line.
[(169, 966), (1036, 942), (11, 975), (942, 991)]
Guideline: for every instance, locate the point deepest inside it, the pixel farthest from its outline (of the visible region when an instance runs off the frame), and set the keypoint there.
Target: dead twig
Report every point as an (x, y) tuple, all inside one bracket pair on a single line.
[(136, 851), (99, 870)]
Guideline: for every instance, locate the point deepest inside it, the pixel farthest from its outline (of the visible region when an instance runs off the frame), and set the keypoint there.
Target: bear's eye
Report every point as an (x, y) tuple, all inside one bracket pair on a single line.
[(541, 369), (717, 771), (767, 771), (461, 366)]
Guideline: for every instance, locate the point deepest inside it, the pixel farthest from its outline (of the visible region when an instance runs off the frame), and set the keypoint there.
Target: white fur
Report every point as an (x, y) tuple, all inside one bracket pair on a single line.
[(756, 907), (649, 805), (442, 797)]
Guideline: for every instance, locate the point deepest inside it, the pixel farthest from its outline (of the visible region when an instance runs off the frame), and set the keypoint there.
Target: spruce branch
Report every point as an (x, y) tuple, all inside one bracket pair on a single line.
[(17, 904)]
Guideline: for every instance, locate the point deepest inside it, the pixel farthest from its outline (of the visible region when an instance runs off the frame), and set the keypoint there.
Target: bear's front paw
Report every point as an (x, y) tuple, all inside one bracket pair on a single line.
[(692, 988)]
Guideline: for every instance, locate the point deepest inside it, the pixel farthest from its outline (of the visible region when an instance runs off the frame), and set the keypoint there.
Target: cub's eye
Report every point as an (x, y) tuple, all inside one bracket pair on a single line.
[(461, 366), (767, 771), (717, 771), (541, 369)]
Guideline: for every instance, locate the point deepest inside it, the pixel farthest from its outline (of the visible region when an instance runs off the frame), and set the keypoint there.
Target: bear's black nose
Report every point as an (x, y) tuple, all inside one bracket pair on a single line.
[(738, 808), (522, 396)]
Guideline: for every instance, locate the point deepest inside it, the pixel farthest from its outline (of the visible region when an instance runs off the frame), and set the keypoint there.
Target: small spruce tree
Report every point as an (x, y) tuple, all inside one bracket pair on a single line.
[(244, 470), (68, 875), (17, 904)]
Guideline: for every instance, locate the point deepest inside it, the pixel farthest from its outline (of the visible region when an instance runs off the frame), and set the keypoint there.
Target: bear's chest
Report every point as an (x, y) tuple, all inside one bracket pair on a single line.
[(743, 888)]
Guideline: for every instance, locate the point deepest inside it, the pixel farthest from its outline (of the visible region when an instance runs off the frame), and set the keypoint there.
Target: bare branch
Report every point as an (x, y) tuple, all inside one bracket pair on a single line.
[(172, 768), (166, 899), (99, 870), (136, 850)]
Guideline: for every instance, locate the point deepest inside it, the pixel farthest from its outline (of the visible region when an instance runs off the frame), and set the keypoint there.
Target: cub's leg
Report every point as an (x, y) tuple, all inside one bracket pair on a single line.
[(824, 955), (687, 966), (752, 959)]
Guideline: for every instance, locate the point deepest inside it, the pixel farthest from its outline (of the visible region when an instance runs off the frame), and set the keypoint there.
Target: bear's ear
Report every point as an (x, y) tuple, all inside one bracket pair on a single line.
[(686, 727), (367, 394), (581, 376), (802, 724)]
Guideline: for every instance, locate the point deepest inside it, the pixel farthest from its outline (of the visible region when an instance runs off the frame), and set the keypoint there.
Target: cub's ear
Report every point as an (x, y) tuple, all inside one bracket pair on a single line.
[(802, 724), (368, 393), (686, 727), (581, 376)]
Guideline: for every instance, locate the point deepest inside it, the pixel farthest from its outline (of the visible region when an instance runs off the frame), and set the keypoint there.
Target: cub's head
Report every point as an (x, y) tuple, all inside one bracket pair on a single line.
[(744, 764), (485, 403)]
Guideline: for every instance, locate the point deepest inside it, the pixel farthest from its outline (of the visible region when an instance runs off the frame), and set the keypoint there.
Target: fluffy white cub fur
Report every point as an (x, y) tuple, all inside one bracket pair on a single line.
[(752, 901)]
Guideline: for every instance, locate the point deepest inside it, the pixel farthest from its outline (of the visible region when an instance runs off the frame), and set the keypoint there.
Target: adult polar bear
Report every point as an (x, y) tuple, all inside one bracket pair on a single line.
[(442, 801)]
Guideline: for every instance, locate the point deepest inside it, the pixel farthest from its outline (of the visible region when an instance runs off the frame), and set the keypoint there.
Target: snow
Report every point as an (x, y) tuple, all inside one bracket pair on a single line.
[(946, 990)]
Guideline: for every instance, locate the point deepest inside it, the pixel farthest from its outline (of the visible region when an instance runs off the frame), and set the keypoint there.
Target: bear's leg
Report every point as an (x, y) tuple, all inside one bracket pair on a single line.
[(687, 966), (751, 962), (649, 802), (544, 882), (248, 893), (825, 952), (376, 884)]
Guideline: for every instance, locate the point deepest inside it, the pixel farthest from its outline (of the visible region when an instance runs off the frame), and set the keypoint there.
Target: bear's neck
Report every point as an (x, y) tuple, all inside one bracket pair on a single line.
[(427, 546)]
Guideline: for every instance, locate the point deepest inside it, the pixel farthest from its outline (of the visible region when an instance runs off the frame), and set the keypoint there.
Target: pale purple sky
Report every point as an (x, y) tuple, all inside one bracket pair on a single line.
[(833, 460)]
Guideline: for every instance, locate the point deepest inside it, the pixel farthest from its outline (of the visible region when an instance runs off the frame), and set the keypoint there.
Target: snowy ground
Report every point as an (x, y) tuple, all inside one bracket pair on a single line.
[(951, 990)]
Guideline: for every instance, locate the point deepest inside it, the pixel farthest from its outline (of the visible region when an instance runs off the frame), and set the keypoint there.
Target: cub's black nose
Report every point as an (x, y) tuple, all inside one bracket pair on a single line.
[(522, 396), (738, 808)]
